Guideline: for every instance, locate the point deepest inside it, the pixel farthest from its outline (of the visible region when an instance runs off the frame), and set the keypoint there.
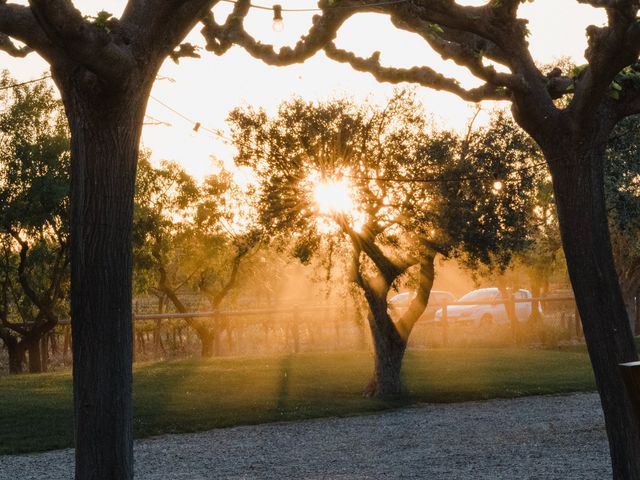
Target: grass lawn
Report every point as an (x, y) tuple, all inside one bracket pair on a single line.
[(193, 395)]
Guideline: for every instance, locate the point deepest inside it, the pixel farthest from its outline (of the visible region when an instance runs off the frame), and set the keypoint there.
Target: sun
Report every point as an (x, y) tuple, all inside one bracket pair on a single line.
[(333, 196)]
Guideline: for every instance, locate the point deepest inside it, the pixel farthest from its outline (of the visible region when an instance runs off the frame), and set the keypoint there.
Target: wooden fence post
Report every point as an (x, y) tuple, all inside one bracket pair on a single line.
[(296, 331), (445, 325), (631, 377), (217, 331), (336, 326), (510, 307)]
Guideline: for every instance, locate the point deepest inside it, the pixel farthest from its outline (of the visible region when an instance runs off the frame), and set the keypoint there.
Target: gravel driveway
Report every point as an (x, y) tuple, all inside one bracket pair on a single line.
[(552, 437)]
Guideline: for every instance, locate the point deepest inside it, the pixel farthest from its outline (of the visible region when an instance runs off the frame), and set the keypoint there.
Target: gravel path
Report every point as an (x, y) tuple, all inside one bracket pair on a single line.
[(553, 437)]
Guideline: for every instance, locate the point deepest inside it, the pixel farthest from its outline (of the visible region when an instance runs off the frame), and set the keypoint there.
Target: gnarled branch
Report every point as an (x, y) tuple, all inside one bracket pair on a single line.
[(6, 45), (96, 48), (424, 76), (18, 22), (221, 37)]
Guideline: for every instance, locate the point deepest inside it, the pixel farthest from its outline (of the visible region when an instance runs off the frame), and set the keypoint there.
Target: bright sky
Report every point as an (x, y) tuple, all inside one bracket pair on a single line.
[(205, 90)]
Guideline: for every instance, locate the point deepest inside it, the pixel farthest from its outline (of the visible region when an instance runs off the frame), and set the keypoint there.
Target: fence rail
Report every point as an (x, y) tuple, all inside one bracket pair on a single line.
[(316, 308), (296, 328)]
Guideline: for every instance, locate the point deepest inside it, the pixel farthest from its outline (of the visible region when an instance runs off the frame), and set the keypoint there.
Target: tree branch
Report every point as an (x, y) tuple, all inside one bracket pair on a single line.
[(94, 47), (6, 45), (418, 305), (220, 38), (423, 76), (158, 26), (18, 22), (464, 48), (22, 278)]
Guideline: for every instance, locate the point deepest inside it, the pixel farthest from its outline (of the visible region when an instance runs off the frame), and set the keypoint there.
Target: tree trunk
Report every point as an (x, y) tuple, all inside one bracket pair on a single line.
[(388, 349), (35, 359), (65, 344), (16, 356), (389, 339), (105, 133), (578, 183), (207, 340), (44, 352)]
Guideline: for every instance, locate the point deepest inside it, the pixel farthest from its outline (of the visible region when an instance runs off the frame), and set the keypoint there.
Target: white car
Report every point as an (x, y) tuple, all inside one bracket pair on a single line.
[(398, 304), (491, 312)]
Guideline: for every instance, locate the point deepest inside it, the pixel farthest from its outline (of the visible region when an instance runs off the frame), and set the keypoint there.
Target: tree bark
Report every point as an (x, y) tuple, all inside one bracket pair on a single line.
[(207, 339), (577, 168), (388, 347), (637, 313), (16, 356), (390, 339), (105, 128), (44, 352), (35, 359)]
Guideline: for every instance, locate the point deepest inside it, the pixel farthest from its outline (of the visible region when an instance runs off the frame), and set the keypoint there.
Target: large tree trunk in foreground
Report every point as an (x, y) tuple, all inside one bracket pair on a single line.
[(578, 184), (105, 130)]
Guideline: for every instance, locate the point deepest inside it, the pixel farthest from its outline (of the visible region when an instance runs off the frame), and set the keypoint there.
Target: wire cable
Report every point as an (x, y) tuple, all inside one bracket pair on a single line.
[(28, 82), (446, 180), (351, 7), (196, 125)]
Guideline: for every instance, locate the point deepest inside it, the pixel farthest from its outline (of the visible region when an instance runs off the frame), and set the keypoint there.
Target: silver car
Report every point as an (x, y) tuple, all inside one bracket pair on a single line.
[(398, 304), (490, 311)]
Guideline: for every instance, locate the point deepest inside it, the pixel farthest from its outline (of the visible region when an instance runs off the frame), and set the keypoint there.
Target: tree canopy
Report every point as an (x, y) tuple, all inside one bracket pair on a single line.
[(396, 192), (34, 218)]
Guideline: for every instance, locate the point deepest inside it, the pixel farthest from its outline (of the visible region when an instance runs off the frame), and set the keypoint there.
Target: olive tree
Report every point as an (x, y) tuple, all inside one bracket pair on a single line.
[(34, 226), (398, 194), (183, 239)]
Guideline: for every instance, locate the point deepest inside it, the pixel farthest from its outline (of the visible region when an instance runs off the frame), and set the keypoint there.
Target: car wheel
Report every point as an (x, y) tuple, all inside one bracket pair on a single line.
[(486, 320)]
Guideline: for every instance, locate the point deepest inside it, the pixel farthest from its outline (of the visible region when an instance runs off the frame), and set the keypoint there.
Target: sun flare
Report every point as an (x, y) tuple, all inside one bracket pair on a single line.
[(333, 196)]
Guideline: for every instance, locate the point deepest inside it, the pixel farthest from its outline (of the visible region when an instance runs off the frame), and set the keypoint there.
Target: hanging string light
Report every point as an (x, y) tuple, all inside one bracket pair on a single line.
[(278, 23)]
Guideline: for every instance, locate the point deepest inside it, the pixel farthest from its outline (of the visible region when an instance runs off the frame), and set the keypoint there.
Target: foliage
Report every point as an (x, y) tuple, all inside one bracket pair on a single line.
[(164, 207), (34, 197), (408, 185), (34, 211), (622, 184), (184, 233)]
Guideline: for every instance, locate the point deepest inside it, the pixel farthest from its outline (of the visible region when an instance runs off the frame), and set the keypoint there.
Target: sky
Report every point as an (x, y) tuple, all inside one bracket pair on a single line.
[(205, 90)]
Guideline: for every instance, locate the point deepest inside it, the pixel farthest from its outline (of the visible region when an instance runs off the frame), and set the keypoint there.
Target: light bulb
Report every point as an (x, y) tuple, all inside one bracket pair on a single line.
[(497, 185), (278, 24)]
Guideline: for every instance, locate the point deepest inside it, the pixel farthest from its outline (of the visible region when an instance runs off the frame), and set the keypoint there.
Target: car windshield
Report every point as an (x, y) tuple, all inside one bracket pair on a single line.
[(479, 295)]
